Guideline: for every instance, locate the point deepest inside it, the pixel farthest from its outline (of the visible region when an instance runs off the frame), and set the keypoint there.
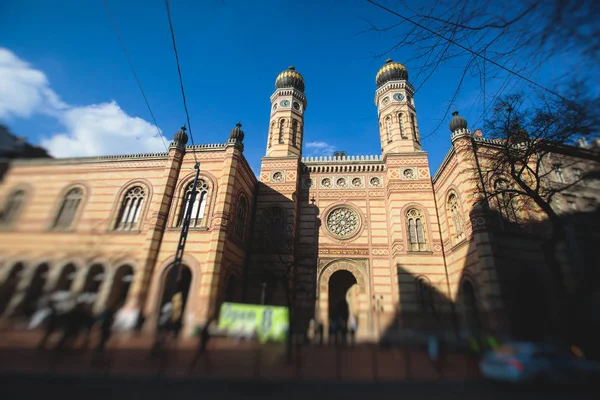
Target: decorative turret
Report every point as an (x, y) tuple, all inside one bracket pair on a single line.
[(237, 134), (458, 127), (181, 138)]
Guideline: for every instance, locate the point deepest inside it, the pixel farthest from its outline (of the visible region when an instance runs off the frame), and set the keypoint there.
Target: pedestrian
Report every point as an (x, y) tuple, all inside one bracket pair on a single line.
[(204, 338), (352, 327), (74, 321), (106, 322), (52, 321)]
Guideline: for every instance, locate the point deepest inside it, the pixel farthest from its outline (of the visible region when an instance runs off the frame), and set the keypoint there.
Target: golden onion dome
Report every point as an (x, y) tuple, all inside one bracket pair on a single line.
[(290, 78), (391, 71)]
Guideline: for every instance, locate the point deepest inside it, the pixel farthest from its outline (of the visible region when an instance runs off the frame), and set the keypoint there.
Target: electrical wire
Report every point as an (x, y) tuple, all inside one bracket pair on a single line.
[(187, 114), (137, 79)]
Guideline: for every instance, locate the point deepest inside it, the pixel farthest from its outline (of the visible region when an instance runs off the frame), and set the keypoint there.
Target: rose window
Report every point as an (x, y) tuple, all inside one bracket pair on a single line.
[(326, 182), (356, 182), (409, 174), (278, 177), (343, 221), (375, 182), (341, 182)]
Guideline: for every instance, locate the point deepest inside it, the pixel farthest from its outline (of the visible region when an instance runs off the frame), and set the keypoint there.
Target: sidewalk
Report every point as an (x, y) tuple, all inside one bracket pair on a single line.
[(130, 356)]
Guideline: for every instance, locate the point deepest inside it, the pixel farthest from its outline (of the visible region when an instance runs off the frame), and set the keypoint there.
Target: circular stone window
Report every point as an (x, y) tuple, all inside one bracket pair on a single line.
[(375, 182), (278, 177), (342, 222), (356, 182), (341, 182), (326, 182), (409, 174)]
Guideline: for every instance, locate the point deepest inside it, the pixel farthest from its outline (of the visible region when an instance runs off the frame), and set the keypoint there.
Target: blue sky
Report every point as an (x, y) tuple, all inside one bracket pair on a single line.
[(71, 87)]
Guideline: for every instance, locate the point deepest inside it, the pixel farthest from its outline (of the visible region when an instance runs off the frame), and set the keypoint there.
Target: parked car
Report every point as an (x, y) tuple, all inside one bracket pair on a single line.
[(525, 362)]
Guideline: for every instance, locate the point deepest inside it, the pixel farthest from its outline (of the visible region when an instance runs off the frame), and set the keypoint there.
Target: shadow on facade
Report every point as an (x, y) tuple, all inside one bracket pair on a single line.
[(282, 264), (514, 298)]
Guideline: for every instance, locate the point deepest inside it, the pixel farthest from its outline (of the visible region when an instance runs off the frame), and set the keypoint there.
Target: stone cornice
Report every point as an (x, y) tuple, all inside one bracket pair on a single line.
[(394, 85)]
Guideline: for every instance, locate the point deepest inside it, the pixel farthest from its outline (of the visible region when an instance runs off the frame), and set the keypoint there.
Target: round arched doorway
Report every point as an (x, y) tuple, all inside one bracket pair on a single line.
[(66, 278), (35, 289), (9, 286), (93, 282), (339, 284), (170, 287), (120, 287)]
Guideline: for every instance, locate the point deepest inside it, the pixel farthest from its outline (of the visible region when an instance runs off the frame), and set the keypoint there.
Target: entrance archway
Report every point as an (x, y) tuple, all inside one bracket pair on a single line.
[(472, 323), (35, 289), (93, 281), (339, 285), (183, 287), (8, 288), (120, 287), (66, 278)]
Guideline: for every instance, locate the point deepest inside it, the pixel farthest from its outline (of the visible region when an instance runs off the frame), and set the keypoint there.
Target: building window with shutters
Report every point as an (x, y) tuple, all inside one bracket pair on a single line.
[(198, 206), (131, 208), (417, 240), (68, 209), (12, 207)]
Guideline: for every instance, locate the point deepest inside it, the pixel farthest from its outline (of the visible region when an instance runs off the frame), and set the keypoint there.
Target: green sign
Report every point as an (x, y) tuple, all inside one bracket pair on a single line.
[(264, 322)]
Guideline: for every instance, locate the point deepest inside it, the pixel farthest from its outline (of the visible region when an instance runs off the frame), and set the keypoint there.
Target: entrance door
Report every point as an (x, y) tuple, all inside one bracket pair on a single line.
[(339, 284)]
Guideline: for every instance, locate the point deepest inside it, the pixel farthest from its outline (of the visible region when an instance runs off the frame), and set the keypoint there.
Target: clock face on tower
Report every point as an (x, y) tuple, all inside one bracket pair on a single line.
[(398, 97), (284, 103)]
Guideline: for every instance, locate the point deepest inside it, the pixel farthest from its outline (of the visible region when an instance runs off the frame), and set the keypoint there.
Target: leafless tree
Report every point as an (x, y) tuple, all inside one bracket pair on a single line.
[(488, 39), (517, 162)]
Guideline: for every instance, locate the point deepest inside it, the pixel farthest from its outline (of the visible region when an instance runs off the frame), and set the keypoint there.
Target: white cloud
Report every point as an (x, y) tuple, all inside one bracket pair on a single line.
[(96, 129), (319, 149)]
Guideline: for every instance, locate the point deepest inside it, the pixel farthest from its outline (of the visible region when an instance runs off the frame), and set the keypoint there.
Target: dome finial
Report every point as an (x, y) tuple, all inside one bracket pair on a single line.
[(239, 124), (292, 67), (237, 134), (181, 137), (457, 122), (389, 60)]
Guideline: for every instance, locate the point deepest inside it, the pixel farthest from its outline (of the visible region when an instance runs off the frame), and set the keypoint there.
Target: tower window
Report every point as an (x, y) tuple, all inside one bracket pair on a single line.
[(294, 133), (414, 127), (401, 123), (454, 209), (388, 129), (281, 130), (271, 133), (559, 173)]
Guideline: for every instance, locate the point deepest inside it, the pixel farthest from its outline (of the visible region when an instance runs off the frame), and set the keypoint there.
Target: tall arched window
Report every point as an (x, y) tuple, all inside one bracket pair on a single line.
[(240, 223), (505, 201), (401, 123), (388, 129), (416, 230), (414, 127), (281, 130), (12, 207), (294, 133), (131, 207), (271, 134), (68, 209), (274, 220), (454, 210), (199, 205)]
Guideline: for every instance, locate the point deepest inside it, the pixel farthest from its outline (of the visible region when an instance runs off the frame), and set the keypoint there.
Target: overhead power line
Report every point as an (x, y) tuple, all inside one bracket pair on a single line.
[(469, 50), (137, 79), (187, 114)]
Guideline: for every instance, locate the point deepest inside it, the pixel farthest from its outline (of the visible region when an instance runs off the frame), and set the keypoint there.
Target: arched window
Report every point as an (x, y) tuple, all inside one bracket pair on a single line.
[(401, 123), (425, 295), (281, 130), (198, 208), (12, 207), (416, 230), (414, 127), (505, 201), (68, 209), (454, 210), (388, 129), (240, 223), (271, 134), (131, 207), (274, 220), (294, 133)]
